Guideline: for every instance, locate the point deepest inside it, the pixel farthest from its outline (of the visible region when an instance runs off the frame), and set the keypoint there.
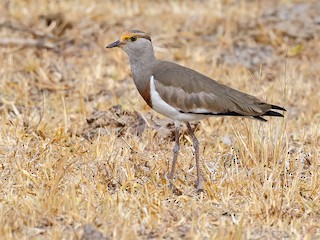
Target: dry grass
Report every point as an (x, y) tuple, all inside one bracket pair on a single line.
[(263, 178)]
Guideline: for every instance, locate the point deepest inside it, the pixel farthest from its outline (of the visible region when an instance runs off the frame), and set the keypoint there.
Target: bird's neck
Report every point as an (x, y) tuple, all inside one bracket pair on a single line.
[(142, 62), (141, 66)]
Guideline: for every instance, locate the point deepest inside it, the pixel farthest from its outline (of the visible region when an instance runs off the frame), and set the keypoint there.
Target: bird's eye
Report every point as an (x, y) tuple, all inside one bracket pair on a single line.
[(133, 38)]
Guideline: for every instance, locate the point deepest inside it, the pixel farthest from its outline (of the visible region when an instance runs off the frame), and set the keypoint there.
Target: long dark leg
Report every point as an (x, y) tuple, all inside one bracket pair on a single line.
[(196, 149), (175, 150)]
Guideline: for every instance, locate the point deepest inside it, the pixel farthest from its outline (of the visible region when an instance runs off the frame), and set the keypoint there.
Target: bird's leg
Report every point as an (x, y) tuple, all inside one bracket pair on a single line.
[(175, 150), (196, 149)]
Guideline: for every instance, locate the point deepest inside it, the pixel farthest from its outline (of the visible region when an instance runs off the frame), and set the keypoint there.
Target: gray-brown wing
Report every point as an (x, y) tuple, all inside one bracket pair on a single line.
[(190, 91)]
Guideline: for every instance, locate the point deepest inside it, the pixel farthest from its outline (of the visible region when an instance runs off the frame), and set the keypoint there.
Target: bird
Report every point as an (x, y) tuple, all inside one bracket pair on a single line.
[(185, 95)]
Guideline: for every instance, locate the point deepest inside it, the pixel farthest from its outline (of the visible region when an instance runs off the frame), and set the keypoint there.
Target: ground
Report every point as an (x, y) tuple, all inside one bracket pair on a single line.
[(83, 156)]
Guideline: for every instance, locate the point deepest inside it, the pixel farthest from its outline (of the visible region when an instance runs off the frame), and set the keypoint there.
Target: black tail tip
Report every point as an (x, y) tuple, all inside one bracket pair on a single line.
[(272, 114), (275, 107), (260, 118)]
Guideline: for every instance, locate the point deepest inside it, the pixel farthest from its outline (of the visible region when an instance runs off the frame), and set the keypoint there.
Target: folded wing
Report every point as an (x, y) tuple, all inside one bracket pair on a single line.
[(192, 92)]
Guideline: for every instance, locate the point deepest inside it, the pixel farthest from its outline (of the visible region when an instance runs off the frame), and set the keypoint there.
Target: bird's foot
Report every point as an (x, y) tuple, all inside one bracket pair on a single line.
[(199, 186)]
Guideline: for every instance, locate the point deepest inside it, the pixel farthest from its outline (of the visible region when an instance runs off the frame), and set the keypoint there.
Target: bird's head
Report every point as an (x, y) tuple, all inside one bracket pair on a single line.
[(133, 42)]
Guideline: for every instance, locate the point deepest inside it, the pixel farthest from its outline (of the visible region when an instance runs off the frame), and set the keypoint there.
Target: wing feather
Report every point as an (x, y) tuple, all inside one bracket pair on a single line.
[(190, 91)]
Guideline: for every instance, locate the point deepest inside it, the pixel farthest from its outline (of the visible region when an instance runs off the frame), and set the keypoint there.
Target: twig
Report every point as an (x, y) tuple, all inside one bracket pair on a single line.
[(40, 43), (36, 33)]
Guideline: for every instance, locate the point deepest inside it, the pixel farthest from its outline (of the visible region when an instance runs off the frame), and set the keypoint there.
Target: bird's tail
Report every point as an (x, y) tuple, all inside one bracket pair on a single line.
[(271, 113)]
